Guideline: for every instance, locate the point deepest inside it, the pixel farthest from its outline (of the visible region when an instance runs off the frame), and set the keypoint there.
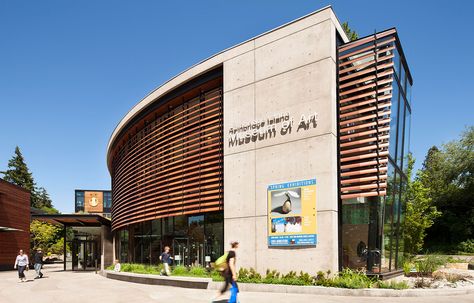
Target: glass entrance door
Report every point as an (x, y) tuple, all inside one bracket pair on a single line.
[(85, 255)]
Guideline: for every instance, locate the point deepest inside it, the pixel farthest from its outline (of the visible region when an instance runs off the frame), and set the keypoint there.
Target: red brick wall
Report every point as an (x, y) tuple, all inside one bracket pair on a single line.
[(15, 213)]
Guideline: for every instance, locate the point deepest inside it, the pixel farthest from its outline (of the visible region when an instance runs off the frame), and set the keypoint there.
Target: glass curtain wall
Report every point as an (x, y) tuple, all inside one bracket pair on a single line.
[(372, 227), (193, 240)]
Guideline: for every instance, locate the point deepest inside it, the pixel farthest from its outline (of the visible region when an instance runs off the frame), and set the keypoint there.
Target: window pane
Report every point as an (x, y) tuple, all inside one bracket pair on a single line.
[(387, 219), (393, 122), (402, 77), (79, 201), (396, 61), (406, 146), (401, 119), (355, 232), (408, 92)]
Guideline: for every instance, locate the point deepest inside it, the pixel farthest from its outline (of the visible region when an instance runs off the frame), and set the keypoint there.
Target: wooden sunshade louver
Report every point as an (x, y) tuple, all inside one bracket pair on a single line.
[(365, 92), (174, 166)]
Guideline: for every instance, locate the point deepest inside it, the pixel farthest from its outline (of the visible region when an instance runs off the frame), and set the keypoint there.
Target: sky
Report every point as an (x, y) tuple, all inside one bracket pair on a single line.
[(70, 70)]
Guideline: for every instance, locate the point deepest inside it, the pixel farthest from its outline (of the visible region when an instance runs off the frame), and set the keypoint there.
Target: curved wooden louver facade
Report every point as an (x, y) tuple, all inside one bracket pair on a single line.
[(365, 92), (174, 164)]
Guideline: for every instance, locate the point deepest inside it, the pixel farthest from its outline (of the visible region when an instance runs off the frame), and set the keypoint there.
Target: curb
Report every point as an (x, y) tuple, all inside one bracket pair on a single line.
[(207, 283), (333, 291), (176, 281)]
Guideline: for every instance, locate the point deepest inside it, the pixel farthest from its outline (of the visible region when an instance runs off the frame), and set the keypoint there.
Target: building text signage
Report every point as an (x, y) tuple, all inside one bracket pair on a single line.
[(277, 125)]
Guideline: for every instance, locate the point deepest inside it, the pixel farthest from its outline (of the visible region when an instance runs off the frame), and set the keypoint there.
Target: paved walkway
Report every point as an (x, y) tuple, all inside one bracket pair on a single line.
[(84, 287)]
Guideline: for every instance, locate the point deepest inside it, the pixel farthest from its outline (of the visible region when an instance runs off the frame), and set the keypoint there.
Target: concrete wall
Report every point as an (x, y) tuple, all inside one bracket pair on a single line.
[(289, 70), (107, 247)]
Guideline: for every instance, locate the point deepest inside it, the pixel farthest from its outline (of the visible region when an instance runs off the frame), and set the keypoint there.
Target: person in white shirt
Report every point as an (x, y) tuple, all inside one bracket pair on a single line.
[(21, 262), (117, 266)]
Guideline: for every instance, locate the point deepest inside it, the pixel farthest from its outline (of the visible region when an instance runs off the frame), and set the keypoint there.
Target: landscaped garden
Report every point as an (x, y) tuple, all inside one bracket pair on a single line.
[(429, 271)]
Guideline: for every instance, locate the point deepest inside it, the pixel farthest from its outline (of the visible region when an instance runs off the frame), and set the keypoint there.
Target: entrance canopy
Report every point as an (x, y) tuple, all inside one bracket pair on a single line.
[(72, 219)]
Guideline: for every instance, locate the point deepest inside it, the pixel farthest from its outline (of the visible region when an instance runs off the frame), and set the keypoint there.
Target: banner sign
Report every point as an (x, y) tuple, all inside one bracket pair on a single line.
[(292, 213)]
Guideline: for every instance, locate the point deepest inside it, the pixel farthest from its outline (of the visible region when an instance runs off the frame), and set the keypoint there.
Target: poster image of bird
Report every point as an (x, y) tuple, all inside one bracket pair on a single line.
[(286, 201)]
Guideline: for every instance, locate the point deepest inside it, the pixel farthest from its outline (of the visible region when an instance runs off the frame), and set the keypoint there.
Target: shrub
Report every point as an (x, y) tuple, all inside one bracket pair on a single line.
[(198, 271), (466, 246), (392, 284), (216, 276), (180, 270), (249, 276), (430, 263), (407, 268), (348, 278)]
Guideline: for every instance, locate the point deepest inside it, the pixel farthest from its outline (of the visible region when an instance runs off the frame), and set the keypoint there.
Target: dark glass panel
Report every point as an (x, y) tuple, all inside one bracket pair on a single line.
[(401, 119), (355, 232), (393, 121)]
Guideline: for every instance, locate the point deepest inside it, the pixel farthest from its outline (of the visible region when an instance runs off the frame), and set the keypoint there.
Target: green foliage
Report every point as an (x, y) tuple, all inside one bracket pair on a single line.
[(19, 174), (352, 35), (346, 279), (420, 212), (249, 276), (408, 267), (466, 246), (139, 268), (430, 263), (392, 284), (198, 271), (448, 174), (216, 276), (180, 270), (47, 236)]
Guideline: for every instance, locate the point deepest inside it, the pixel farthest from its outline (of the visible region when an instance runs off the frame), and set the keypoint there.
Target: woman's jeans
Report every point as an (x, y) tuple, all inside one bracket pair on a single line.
[(21, 270)]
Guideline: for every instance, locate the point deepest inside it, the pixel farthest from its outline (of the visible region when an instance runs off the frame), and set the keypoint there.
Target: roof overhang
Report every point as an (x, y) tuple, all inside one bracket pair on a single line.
[(72, 219)]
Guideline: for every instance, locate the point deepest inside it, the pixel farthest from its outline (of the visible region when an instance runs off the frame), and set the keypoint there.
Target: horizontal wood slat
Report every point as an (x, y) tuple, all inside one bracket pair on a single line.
[(173, 166), (14, 213), (365, 92)]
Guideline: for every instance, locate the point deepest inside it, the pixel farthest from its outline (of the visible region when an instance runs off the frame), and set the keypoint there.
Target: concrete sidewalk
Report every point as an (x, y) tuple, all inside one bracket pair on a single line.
[(84, 287)]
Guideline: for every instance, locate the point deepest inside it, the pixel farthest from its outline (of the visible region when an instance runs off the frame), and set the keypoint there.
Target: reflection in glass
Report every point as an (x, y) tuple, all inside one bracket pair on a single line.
[(406, 143), (192, 239), (393, 121), (399, 142)]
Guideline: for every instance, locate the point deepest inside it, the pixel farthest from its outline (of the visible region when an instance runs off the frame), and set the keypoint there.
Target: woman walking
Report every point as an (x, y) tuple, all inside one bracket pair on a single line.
[(21, 262), (230, 273)]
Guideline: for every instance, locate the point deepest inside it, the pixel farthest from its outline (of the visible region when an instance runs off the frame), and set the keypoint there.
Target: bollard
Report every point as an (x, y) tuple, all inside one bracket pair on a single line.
[(96, 266)]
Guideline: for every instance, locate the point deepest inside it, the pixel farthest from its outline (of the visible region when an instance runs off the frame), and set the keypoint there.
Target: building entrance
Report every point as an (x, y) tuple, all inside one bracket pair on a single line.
[(188, 252), (85, 255)]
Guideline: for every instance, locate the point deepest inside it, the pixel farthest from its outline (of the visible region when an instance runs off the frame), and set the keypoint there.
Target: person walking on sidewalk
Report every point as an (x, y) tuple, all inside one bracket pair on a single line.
[(21, 263), (166, 258), (230, 273), (38, 259)]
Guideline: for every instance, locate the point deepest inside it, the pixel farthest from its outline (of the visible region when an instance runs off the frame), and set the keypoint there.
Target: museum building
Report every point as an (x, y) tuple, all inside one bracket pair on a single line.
[(293, 143)]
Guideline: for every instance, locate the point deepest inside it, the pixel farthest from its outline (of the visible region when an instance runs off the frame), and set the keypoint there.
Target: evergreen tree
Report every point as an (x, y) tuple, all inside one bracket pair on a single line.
[(42, 198), (352, 35), (18, 172)]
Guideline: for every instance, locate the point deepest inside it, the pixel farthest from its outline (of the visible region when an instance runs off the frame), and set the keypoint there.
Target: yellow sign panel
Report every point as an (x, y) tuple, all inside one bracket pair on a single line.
[(292, 213)]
